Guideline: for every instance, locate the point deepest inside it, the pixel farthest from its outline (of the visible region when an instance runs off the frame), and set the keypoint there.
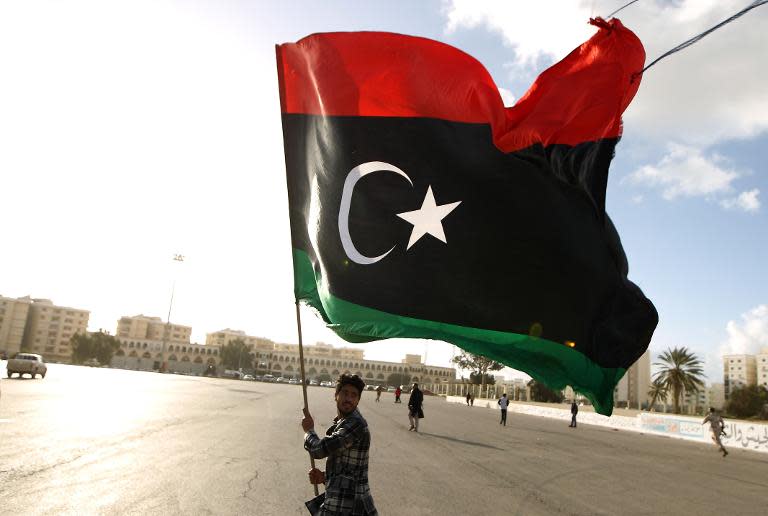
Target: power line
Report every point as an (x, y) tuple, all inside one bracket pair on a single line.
[(620, 8), (688, 43)]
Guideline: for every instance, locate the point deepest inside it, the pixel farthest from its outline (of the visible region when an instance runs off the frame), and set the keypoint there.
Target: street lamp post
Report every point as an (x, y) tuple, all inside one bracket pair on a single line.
[(166, 332)]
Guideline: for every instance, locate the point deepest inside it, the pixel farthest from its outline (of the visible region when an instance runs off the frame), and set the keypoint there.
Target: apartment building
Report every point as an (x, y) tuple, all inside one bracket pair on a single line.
[(632, 389), (13, 320), (50, 327), (761, 363), (152, 328), (738, 371)]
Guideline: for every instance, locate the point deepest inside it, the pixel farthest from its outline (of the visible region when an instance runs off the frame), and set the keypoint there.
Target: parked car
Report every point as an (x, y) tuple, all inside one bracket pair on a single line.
[(92, 362), (247, 377), (268, 378), (27, 363), (314, 382), (294, 381)]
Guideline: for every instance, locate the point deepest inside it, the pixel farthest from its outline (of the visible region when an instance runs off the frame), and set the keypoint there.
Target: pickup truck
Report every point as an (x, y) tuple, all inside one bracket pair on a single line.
[(27, 363)]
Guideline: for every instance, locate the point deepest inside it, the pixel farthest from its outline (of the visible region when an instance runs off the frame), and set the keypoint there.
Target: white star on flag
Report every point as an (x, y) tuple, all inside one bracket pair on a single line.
[(428, 219)]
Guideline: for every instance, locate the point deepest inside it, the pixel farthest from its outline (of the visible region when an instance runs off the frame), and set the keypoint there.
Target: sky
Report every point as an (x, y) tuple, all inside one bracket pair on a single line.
[(131, 131)]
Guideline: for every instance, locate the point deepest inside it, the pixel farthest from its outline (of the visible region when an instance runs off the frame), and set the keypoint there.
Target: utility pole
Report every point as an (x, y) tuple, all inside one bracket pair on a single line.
[(166, 332)]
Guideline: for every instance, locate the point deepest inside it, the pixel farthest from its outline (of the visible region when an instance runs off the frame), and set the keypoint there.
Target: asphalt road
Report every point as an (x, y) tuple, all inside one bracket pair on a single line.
[(103, 441)]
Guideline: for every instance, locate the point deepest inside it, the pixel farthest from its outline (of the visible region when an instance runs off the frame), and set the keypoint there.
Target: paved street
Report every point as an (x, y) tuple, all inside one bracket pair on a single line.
[(103, 441)]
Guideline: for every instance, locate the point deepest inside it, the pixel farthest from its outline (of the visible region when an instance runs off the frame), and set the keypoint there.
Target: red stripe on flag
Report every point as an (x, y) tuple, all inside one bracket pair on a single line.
[(374, 74)]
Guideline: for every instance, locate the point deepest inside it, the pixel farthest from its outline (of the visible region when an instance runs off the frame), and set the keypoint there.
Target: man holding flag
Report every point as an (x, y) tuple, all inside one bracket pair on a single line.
[(345, 445)]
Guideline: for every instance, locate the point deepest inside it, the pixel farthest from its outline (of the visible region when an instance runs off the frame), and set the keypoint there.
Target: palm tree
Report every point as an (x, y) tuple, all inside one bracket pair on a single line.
[(680, 372), (656, 391)]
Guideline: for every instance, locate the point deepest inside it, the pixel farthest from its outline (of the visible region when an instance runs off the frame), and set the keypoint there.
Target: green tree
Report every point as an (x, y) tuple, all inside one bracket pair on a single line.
[(236, 354), (99, 345), (747, 401), (396, 379), (680, 372), (478, 365), (656, 391), (476, 379), (540, 392)]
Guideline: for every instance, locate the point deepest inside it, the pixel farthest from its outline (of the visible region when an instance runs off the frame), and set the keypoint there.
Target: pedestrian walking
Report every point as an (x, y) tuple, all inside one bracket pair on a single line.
[(345, 445), (415, 411), (503, 403), (469, 396), (398, 392), (471, 400), (574, 411), (378, 393), (717, 426)]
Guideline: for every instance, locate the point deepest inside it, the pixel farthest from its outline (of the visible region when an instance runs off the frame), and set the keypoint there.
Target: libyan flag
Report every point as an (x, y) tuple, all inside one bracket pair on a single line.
[(421, 207)]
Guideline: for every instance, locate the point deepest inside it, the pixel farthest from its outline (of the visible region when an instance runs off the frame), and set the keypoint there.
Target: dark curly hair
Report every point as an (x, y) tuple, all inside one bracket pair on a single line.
[(350, 379)]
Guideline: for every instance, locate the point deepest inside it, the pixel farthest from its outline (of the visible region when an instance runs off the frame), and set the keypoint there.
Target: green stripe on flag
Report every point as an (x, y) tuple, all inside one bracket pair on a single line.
[(554, 364)]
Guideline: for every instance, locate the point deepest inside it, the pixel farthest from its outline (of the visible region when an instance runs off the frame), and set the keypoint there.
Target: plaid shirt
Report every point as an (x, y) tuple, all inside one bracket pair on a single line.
[(346, 471)]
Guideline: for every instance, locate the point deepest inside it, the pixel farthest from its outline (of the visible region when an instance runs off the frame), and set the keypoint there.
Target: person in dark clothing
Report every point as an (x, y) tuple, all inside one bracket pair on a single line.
[(468, 398), (414, 407), (398, 392), (574, 411)]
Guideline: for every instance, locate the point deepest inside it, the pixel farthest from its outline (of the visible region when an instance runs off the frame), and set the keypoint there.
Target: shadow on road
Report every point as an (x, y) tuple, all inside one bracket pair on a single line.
[(462, 441)]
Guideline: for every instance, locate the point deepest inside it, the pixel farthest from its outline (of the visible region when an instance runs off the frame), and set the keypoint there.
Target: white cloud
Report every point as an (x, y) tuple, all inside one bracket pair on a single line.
[(712, 91), (746, 201), (749, 335), (522, 24), (686, 172), (507, 97)]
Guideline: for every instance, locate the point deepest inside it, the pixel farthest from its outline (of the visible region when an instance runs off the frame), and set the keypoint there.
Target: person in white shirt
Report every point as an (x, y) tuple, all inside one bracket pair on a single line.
[(503, 403), (716, 424)]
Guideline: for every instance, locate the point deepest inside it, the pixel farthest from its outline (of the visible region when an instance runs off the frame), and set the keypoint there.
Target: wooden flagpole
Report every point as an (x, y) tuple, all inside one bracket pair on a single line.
[(303, 378)]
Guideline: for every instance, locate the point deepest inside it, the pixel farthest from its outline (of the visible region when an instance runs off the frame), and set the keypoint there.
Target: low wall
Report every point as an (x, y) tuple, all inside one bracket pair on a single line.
[(739, 434)]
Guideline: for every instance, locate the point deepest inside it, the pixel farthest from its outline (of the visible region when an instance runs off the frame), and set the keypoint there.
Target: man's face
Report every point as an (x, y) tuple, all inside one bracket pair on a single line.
[(347, 399)]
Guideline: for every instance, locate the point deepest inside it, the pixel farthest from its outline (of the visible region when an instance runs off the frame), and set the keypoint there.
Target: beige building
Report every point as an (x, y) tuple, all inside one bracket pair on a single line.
[(222, 337), (50, 327), (13, 320), (147, 355), (152, 328), (326, 361), (738, 371), (716, 396), (634, 385), (761, 363)]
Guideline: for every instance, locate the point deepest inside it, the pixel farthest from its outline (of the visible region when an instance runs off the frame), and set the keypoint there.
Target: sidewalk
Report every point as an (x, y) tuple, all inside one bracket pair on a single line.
[(740, 434)]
